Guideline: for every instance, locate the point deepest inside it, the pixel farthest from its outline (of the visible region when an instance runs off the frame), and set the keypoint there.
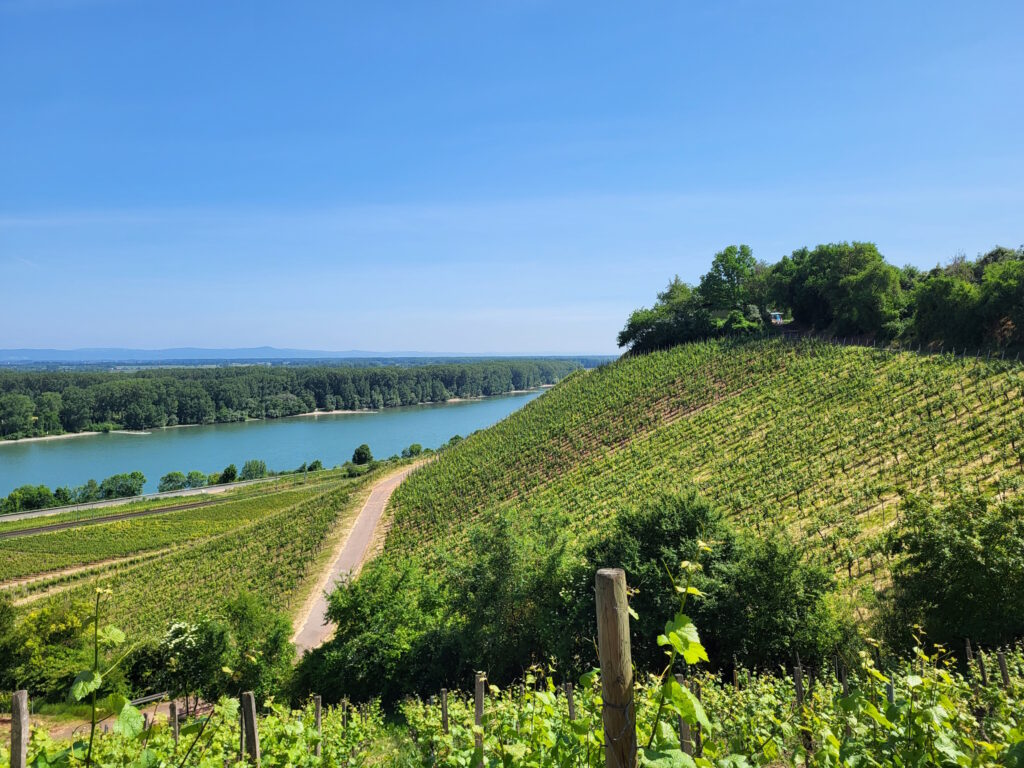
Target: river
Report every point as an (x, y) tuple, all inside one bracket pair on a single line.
[(281, 443)]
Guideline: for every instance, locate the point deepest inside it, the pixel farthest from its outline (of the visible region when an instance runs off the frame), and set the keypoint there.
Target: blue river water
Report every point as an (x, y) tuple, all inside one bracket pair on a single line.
[(281, 443)]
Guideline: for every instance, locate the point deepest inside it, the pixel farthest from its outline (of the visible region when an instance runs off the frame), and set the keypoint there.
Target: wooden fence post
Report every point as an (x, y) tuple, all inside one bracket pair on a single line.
[(1003, 671), (444, 710), (344, 714), (319, 724), (698, 742), (798, 681), (618, 716), (685, 740), (172, 718), (981, 668), (478, 712), (249, 728), (570, 701), (19, 729)]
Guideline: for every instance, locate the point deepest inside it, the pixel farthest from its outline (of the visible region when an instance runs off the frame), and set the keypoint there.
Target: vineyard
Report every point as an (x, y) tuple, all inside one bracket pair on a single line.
[(264, 540), (819, 440)]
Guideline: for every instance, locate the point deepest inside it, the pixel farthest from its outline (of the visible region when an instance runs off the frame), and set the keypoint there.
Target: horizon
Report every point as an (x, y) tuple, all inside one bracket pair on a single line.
[(505, 177)]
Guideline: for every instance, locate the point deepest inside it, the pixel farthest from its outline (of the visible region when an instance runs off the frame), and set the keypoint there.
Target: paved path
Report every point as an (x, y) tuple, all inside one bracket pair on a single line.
[(313, 628)]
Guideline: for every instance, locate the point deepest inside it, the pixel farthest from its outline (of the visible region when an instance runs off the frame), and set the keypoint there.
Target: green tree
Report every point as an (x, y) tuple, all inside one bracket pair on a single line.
[(16, 414), (28, 497), (229, 475), (75, 409), (1001, 301), (196, 479), (253, 469), (48, 407), (173, 481), (123, 485), (868, 300), (413, 450), (725, 285), (959, 572), (362, 455)]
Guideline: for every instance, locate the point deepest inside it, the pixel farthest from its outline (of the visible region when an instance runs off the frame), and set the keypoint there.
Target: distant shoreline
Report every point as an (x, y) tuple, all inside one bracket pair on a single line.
[(66, 435)]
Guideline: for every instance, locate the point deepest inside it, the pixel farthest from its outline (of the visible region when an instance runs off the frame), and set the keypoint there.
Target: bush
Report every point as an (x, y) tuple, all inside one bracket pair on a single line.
[(229, 475), (362, 455), (960, 572), (253, 469), (122, 486), (413, 450), (196, 479), (315, 466), (172, 481)]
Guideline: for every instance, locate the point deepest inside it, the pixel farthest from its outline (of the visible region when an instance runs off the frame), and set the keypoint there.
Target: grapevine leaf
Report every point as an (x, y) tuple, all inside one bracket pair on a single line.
[(668, 758), (130, 722), (87, 681)]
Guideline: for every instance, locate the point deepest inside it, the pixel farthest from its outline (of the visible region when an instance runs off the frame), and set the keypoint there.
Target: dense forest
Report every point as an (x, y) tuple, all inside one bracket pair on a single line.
[(51, 402), (846, 290)]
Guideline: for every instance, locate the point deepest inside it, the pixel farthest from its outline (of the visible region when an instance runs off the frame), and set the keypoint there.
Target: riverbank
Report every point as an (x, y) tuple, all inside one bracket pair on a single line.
[(336, 412)]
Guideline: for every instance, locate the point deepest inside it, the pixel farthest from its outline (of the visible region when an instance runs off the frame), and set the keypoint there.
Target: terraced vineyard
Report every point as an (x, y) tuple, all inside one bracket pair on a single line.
[(820, 440), (167, 567)]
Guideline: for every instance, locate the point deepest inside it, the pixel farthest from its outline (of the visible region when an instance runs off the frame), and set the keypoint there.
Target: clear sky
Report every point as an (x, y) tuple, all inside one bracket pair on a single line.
[(479, 176)]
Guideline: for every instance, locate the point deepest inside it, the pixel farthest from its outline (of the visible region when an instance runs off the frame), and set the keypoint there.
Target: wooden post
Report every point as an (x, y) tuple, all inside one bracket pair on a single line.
[(319, 726), (616, 668), (890, 691), (249, 729), (735, 678), (478, 710), (847, 731), (344, 714), (172, 718), (241, 732), (685, 740), (570, 701), (970, 654), (698, 742), (1003, 671), (444, 710), (19, 729), (798, 681), (981, 668)]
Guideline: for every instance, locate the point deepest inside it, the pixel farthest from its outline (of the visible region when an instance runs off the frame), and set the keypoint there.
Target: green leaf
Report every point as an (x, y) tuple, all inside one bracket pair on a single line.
[(86, 682), (110, 636), (667, 758), (130, 722), (687, 706), (146, 759)]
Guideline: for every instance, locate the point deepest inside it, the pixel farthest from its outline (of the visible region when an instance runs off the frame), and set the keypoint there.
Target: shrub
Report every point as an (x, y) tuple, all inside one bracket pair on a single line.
[(172, 481), (960, 572), (229, 475), (362, 455), (253, 469)]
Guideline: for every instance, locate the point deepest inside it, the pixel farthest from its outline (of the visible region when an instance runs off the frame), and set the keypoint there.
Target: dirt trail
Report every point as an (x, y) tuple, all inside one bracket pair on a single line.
[(312, 628)]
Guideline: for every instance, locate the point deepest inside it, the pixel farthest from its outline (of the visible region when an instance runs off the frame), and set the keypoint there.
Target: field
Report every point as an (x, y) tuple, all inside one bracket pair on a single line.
[(822, 441), (174, 565)]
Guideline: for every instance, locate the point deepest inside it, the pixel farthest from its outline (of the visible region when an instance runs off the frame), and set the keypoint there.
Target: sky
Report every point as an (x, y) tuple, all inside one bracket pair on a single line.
[(479, 177)]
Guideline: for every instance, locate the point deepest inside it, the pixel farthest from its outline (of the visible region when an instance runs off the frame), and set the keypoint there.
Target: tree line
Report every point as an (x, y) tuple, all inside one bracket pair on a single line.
[(843, 289), (41, 403)]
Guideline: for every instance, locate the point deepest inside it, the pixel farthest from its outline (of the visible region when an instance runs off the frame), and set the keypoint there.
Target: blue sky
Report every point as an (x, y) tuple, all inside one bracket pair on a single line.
[(506, 177)]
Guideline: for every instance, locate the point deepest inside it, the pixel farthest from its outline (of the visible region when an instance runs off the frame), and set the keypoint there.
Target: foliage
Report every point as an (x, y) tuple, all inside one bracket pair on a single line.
[(122, 486), (173, 481), (52, 402), (846, 289), (961, 574), (253, 469), (228, 475), (362, 455)]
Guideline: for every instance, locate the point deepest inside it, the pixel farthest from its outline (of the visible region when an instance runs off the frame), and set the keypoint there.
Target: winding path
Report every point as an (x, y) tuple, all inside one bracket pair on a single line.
[(312, 628)]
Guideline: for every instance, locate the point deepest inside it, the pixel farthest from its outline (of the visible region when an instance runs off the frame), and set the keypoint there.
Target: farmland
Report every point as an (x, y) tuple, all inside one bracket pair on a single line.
[(263, 539)]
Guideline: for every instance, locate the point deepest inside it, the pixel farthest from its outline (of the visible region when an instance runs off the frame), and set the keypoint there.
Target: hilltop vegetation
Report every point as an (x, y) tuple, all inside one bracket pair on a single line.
[(845, 289), (803, 455), (52, 402)]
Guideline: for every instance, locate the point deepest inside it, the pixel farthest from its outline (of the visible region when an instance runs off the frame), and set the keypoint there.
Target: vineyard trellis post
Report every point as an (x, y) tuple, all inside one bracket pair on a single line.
[(444, 710), (685, 740), (249, 728), (570, 701), (478, 712), (172, 717), (317, 715), (981, 668), (1003, 670), (19, 729), (618, 716)]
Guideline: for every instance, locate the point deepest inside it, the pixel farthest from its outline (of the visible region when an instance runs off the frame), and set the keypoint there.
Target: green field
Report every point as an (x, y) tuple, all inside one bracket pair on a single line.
[(821, 440), (178, 565)]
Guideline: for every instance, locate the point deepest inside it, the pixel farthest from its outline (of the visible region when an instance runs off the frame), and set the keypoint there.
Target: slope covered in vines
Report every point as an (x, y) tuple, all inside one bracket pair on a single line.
[(821, 440)]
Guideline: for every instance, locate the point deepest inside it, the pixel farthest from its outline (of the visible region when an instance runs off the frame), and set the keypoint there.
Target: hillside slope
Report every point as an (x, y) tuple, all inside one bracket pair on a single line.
[(820, 439), (804, 441)]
